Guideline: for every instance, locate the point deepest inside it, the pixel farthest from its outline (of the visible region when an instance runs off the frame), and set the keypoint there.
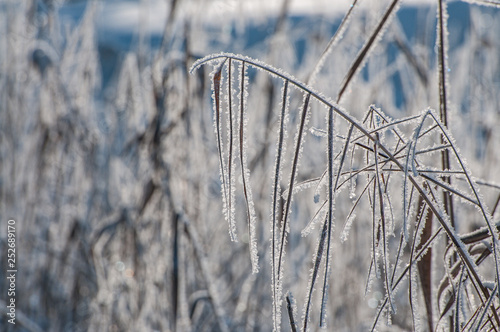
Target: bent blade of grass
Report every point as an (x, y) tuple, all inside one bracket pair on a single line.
[(303, 186), (318, 215), (383, 225), (216, 86), (306, 89), (459, 299), (446, 187), (295, 164), (350, 216), (384, 151), (466, 258), (372, 41), (455, 239), (406, 204), (399, 254), (321, 183), (245, 173), (433, 149), (478, 235), (416, 135), (331, 192), (487, 305), (292, 311), (333, 41), (280, 149), (314, 275), (393, 124), (332, 188), (231, 160), (372, 201)]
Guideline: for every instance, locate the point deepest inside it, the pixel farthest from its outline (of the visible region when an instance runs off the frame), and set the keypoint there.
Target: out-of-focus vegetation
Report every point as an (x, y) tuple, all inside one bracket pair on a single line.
[(112, 175)]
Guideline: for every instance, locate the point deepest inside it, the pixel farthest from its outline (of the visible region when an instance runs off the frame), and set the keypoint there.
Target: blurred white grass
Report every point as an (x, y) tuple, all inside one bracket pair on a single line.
[(117, 200)]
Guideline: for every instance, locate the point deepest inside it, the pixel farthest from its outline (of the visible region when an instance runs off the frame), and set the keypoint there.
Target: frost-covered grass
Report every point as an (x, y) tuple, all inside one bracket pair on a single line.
[(341, 178)]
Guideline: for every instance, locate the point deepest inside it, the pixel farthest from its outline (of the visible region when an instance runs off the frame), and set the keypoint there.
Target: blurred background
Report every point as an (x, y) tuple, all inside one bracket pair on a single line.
[(108, 160)]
